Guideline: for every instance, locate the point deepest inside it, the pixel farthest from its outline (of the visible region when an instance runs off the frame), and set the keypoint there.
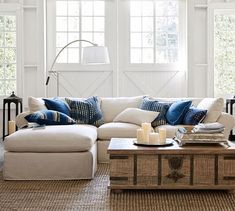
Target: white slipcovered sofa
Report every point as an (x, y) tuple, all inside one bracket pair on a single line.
[(72, 151)]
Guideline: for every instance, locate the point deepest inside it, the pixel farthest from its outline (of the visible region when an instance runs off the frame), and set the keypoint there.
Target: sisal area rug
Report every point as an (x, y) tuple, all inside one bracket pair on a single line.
[(94, 195)]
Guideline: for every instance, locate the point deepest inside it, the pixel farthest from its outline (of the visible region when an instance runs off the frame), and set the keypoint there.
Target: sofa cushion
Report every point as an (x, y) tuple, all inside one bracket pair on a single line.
[(59, 138), (49, 117), (117, 130), (57, 104), (36, 104), (136, 116), (214, 107), (111, 107), (177, 111), (154, 105), (86, 111), (195, 101)]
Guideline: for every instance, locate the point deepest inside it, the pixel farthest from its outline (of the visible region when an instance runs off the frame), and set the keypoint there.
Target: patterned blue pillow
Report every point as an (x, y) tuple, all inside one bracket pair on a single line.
[(177, 111), (57, 104), (194, 116), (86, 111), (49, 117), (154, 105)]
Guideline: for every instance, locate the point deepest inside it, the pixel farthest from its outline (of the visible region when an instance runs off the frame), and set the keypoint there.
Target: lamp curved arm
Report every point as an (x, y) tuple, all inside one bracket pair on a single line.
[(55, 59)]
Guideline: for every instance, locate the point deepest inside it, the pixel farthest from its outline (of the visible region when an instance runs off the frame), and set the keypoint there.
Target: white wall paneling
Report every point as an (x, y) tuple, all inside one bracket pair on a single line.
[(31, 47), (120, 80)]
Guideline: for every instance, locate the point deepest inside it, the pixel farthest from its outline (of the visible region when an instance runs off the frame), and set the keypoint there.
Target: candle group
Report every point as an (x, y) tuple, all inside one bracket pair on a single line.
[(11, 127), (144, 135), (162, 135)]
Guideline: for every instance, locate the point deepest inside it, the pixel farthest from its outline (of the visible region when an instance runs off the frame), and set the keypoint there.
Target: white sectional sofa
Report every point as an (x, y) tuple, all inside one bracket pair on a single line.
[(72, 151)]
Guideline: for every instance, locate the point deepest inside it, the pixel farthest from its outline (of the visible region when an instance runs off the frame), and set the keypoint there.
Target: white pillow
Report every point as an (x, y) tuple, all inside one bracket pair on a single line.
[(136, 116), (214, 107), (36, 104)]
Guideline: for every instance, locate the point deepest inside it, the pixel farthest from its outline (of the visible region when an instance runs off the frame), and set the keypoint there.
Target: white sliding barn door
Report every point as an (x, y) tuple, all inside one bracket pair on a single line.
[(148, 63), (88, 20), (154, 83)]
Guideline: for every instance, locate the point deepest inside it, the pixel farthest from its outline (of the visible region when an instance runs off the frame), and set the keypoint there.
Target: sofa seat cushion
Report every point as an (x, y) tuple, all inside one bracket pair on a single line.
[(170, 130), (56, 138), (117, 130)]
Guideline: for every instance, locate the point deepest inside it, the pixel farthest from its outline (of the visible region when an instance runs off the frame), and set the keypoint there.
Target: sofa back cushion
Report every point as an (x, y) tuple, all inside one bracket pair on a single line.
[(111, 107), (214, 107), (195, 101)]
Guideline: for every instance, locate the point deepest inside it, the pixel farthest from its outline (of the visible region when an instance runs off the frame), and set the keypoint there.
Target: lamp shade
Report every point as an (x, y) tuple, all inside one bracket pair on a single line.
[(95, 55)]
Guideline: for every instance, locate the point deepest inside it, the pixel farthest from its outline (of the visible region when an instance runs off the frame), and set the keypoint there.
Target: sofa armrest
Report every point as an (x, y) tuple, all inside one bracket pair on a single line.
[(228, 121), (21, 121)]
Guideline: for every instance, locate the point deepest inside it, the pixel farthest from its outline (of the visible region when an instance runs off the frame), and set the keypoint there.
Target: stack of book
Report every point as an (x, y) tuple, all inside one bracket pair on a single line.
[(201, 134)]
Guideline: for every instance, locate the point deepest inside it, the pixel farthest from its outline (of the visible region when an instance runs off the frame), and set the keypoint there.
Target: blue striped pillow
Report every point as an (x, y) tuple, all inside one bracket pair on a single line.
[(49, 117), (154, 105), (86, 111)]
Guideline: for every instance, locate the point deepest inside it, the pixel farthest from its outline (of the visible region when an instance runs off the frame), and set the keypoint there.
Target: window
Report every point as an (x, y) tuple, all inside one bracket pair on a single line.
[(8, 59), (154, 31), (78, 20), (224, 53)]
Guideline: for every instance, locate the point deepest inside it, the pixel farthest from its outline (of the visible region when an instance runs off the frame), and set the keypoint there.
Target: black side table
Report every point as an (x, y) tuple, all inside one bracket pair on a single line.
[(12, 99), (230, 103)]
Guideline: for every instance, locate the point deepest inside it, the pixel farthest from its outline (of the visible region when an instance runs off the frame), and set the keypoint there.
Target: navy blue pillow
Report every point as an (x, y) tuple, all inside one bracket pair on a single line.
[(49, 117), (86, 111), (57, 104), (177, 111), (154, 105), (194, 116)]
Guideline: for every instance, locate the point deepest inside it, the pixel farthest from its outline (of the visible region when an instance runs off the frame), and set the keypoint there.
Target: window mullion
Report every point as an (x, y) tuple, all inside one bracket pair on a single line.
[(80, 30), (67, 31), (154, 32)]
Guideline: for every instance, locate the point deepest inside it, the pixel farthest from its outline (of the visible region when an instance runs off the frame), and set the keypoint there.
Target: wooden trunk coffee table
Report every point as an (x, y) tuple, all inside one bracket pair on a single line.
[(172, 167)]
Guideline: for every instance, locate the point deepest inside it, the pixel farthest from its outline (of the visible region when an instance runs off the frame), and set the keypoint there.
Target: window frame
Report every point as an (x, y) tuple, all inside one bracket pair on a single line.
[(51, 43), (220, 6), (124, 40), (16, 9)]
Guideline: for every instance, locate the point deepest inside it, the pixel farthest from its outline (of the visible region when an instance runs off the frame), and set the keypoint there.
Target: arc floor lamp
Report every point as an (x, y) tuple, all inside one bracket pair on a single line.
[(91, 55)]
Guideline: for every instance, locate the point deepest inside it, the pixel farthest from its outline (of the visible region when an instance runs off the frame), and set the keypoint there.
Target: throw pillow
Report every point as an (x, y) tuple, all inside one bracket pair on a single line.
[(86, 111), (214, 107), (177, 111), (49, 117), (36, 104), (154, 105), (194, 116), (136, 116), (57, 104)]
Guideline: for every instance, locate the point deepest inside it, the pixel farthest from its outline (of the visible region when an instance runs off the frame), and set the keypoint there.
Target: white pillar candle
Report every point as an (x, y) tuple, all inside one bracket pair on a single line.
[(153, 138), (140, 135), (146, 130), (11, 127), (162, 135)]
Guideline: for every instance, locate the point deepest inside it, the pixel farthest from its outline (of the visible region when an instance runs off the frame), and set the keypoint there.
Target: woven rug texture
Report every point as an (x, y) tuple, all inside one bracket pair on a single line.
[(94, 195)]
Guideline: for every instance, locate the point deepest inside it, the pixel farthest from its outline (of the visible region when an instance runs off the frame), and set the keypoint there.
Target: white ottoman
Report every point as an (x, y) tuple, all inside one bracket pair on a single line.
[(55, 153)]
